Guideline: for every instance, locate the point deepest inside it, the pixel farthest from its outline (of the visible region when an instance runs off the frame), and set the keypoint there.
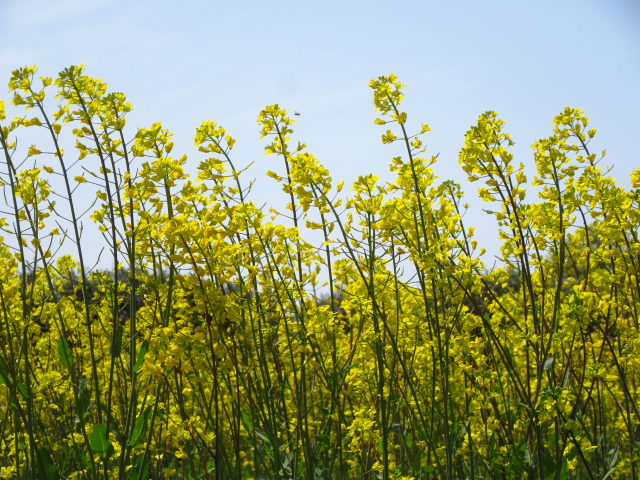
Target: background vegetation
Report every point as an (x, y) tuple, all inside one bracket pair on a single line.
[(209, 352)]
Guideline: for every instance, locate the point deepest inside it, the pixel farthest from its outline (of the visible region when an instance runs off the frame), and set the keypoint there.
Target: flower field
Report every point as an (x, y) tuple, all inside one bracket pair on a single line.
[(226, 346)]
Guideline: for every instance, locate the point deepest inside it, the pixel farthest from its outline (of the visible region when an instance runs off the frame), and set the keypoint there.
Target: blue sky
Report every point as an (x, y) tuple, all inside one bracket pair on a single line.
[(184, 62)]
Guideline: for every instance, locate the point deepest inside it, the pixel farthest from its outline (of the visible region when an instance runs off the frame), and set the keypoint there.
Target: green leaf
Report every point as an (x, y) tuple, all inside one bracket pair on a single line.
[(323, 442), (144, 348), (65, 352), (246, 421), (116, 345), (22, 390), (99, 440), (549, 465), (267, 444), (528, 457), (83, 402), (4, 372), (51, 471), (140, 470), (612, 461), (609, 473), (140, 428), (564, 470), (614, 455)]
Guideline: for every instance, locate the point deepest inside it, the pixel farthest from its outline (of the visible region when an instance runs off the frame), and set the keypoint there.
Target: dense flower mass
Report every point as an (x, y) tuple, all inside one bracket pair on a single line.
[(210, 351)]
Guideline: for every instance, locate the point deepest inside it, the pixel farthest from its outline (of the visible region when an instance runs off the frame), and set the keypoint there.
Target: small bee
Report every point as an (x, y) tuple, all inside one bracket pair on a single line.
[(296, 113)]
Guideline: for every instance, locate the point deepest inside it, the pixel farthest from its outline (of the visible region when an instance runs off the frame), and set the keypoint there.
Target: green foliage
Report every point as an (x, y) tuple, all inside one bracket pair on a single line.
[(209, 353)]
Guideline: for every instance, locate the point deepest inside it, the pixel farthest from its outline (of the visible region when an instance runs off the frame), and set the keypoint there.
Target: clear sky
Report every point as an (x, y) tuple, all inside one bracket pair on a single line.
[(188, 61)]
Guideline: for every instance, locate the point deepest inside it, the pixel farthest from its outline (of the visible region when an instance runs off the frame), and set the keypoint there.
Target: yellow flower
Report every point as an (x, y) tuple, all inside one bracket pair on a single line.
[(33, 151)]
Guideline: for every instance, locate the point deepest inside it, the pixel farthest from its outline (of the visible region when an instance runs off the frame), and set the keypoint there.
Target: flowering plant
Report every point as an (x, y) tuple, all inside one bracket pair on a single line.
[(208, 352)]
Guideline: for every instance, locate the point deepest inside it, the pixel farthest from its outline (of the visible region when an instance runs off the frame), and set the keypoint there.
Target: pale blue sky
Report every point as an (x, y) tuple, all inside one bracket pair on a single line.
[(184, 62)]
